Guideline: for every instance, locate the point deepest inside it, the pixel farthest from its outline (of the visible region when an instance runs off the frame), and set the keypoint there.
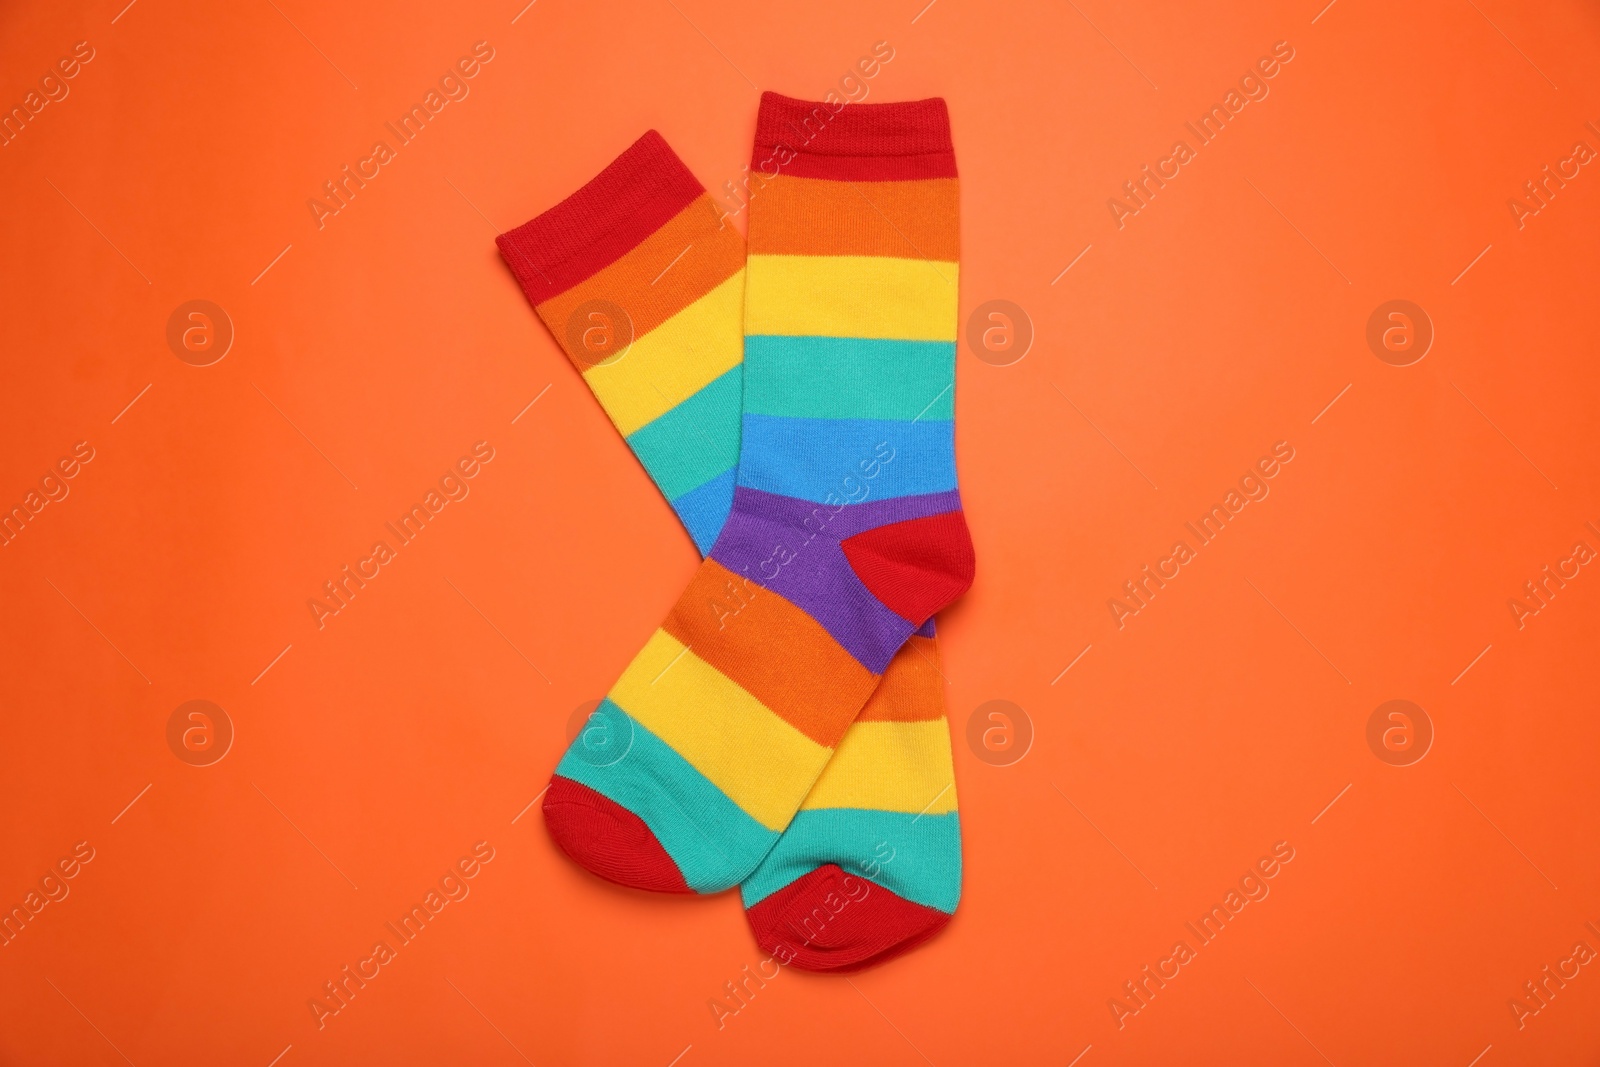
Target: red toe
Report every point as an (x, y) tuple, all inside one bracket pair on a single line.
[(608, 839), (833, 921)]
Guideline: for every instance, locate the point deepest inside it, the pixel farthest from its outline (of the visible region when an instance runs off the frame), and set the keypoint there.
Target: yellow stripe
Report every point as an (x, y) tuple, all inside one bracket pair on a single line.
[(851, 296), (889, 766), (675, 360), (763, 764)]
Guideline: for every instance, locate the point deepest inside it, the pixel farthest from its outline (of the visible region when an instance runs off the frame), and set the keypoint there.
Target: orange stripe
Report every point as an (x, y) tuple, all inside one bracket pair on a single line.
[(912, 689), (773, 650), (817, 217), (666, 272)]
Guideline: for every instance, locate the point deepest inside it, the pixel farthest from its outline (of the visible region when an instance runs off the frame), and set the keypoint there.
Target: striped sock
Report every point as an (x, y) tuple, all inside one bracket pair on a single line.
[(643, 287), (850, 317), (884, 810), (680, 782)]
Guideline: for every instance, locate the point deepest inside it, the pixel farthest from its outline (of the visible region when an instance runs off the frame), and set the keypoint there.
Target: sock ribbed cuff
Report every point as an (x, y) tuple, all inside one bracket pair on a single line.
[(630, 199), (859, 142)]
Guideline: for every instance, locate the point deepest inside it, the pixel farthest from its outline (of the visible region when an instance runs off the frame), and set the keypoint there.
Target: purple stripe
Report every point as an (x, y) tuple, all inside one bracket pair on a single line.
[(927, 628), (845, 521), (816, 578)]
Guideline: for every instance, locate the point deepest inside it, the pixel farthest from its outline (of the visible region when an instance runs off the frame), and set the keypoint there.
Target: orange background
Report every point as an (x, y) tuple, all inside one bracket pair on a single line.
[(426, 716)]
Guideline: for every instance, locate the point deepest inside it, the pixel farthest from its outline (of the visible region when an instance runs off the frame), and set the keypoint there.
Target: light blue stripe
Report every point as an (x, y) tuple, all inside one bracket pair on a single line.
[(849, 378), (843, 460), (915, 857), (711, 839), (704, 509), (691, 443)]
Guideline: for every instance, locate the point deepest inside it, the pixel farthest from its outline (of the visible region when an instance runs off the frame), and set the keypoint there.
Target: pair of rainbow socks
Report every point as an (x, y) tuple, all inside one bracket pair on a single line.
[(784, 729)]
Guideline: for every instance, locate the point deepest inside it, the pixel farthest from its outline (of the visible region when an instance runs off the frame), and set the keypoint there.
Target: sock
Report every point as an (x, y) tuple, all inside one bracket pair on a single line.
[(643, 287), (888, 793), (852, 265), (682, 782)]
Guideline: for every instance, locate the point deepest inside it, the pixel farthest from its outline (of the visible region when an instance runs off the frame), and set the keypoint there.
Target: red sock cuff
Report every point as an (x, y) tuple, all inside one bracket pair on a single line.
[(857, 142), (594, 227)]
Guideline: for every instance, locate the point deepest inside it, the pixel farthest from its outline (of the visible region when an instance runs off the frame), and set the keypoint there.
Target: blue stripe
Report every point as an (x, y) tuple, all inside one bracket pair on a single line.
[(711, 839), (704, 509), (843, 460), (916, 858)]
